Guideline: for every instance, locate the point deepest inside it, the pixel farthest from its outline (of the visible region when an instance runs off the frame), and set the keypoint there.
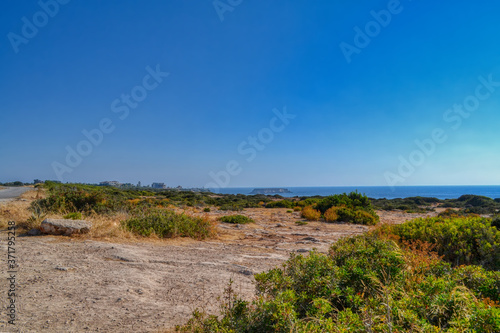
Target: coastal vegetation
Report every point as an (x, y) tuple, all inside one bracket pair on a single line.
[(168, 224), (394, 279), (79, 200), (350, 208), (439, 274), (460, 240), (236, 219)]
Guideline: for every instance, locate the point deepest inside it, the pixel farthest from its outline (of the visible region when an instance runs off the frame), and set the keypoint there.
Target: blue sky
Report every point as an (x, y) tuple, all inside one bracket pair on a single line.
[(355, 123)]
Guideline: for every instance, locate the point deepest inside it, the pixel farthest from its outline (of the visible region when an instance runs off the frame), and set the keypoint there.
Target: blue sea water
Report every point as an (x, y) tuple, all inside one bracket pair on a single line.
[(377, 192)]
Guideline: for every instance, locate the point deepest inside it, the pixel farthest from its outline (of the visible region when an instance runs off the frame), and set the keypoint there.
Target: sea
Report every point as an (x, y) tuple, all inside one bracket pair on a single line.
[(378, 192)]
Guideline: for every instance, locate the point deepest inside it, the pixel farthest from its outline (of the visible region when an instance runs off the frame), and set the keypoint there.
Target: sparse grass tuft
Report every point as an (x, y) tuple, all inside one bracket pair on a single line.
[(73, 216)]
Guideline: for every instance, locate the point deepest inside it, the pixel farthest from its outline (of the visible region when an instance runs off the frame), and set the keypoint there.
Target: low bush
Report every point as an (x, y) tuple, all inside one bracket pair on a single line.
[(474, 204), (331, 215), (236, 219), (352, 208), (464, 240), (311, 214), (344, 214), (280, 204), (410, 205), (364, 284), (168, 224), (495, 222), (207, 210), (449, 213), (353, 200)]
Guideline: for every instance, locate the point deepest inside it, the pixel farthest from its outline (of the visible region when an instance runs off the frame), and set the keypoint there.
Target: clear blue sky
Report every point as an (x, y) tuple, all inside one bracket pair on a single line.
[(229, 67)]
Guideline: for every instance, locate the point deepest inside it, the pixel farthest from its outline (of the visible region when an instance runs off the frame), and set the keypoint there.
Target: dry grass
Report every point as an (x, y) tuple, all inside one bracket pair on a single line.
[(33, 194), (14, 211), (103, 227), (107, 227)]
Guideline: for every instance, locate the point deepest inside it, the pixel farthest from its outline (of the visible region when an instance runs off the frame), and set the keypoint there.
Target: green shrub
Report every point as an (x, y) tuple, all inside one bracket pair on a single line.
[(280, 204), (364, 284), (236, 219), (352, 208), (168, 224), (207, 210), (449, 213), (73, 216), (483, 283), (353, 200), (467, 240), (411, 204), (495, 222), (344, 214)]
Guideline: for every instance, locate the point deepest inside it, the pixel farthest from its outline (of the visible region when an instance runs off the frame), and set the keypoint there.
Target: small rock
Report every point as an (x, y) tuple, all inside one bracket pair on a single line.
[(64, 269), (34, 232), (279, 225), (65, 227), (302, 250)]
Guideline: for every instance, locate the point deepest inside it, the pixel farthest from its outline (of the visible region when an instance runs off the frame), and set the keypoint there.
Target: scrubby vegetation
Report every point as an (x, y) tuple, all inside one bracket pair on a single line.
[(378, 282), (474, 204), (465, 240), (236, 219), (67, 198), (168, 224), (354, 208), (410, 205), (311, 214), (351, 208)]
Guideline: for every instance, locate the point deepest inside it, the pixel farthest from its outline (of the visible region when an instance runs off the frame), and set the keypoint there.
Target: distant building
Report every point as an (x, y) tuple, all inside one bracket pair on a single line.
[(109, 183), (158, 185), (139, 184)]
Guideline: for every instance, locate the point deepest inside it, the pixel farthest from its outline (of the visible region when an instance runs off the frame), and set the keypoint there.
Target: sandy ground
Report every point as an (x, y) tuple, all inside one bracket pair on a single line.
[(82, 285)]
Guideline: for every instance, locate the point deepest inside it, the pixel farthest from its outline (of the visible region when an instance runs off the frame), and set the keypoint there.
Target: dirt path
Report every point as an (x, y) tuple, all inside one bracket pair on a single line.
[(9, 193), (77, 285)]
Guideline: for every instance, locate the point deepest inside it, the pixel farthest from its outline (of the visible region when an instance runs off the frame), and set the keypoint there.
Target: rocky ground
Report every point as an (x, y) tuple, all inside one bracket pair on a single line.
[(76, 284)]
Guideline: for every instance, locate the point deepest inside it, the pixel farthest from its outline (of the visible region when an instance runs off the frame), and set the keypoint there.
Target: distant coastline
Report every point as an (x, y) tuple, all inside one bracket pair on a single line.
[(379, 192), (270, 191)]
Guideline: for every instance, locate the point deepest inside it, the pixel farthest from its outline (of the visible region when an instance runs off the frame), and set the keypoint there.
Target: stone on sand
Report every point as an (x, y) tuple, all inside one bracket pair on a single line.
[(65, 227)]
